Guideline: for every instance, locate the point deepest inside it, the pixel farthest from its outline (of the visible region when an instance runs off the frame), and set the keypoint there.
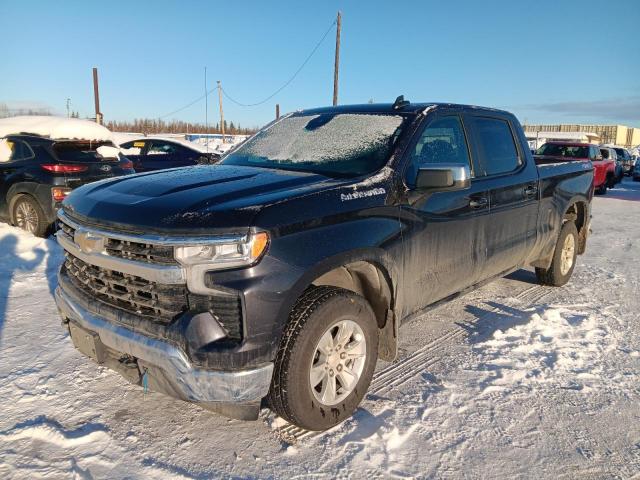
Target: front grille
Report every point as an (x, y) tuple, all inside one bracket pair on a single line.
[(141, 252), (156, 302), (128, 292), (130, 250)]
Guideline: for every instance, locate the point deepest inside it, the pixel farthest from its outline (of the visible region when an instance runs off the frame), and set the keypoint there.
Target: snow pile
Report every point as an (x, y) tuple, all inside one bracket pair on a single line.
[(58, 128), (556, 344), (297, 139), (215, 144)]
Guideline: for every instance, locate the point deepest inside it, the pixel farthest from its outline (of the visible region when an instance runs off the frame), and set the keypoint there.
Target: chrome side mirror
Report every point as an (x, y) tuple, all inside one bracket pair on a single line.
[(440, 177)]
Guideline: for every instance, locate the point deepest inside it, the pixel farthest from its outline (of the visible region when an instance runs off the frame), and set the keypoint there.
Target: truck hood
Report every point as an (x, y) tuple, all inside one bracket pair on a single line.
[(205, 197)]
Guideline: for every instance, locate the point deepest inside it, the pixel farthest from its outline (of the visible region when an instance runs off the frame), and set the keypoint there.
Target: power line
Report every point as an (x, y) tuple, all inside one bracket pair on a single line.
[(286, 84)]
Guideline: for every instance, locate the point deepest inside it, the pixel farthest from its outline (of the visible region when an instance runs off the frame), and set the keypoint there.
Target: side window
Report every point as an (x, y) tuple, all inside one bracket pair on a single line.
[(132, 148), (161, 148), (442, 141), (497, 148), (605, 153), (14, 150)]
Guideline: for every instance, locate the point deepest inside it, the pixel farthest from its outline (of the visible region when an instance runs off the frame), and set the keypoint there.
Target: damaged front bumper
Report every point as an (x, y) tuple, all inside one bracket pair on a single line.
[(164, 366)]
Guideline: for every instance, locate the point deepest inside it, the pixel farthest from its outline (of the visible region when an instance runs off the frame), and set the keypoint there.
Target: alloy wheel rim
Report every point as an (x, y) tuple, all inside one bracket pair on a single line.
[(26, 217), (566, 257), (338, 362)]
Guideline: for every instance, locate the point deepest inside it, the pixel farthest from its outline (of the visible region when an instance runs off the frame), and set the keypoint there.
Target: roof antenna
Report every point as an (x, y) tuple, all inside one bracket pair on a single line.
[(400, 103)]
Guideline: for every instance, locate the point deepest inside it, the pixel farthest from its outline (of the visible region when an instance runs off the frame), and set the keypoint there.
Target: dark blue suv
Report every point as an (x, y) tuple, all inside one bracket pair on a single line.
[(154, 153), (38, 173)]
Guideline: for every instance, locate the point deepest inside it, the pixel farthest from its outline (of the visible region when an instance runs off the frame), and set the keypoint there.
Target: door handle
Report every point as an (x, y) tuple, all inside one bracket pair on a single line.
[(530, 190), (480, 202)]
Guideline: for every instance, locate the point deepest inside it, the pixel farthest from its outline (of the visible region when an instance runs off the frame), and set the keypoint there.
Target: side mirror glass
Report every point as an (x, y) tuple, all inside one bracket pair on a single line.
[(441, 177)]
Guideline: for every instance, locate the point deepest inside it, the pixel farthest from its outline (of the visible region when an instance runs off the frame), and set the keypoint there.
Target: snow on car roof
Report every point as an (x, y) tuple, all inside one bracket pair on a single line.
[(56, 128)]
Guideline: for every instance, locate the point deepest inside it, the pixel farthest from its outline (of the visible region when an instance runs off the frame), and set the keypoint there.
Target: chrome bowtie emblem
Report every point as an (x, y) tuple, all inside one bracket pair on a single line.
[(88, 242), (105, 168)]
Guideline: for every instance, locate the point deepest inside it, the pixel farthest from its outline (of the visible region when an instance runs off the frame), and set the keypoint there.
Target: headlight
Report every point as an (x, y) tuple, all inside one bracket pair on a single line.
[(233, 253)]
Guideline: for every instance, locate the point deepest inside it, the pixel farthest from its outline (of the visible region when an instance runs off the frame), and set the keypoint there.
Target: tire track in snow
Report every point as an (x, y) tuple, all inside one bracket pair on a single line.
[(406, 369)]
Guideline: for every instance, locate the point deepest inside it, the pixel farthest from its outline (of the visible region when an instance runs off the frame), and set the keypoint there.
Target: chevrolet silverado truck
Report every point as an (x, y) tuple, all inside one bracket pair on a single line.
[(281, 275)]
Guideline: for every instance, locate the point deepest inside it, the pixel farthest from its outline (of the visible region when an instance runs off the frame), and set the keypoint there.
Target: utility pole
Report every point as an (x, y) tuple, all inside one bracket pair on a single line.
[(336, 65), (96, 96), (277, 111), (68, 111), (221, 112)]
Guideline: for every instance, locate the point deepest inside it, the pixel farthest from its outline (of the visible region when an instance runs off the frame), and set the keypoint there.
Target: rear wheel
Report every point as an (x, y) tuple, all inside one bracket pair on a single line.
[(602, 189), (564, 258), (326, 358), (28, 215)]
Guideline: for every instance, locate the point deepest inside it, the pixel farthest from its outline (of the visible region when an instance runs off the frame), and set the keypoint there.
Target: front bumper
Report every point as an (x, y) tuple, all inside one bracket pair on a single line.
[(167, 366)]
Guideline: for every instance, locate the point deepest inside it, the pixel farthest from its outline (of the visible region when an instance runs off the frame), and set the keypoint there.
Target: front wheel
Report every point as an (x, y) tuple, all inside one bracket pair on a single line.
[(326, 358), (564, 258)]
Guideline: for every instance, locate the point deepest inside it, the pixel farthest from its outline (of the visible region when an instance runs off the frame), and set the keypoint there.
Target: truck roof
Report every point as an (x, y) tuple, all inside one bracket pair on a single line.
[(391, 108)]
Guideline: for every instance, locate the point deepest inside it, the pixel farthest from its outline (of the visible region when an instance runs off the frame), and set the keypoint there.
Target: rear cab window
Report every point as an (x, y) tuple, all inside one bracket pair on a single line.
[(497, 153)]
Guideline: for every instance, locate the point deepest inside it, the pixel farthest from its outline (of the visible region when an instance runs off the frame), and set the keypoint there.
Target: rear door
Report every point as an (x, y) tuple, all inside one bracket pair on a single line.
[(512, 182)]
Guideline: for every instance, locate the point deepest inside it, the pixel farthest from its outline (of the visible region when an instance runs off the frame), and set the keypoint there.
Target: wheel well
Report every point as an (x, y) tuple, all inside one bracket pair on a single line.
[(577, 213), (366, 279)]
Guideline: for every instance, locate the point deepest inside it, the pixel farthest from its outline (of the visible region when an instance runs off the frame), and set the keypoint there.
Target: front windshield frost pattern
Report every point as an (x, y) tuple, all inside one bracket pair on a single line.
[(344, 136)]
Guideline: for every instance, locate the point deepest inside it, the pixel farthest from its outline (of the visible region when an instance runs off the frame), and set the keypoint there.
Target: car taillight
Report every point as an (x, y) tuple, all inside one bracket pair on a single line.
[(59, 168), (59, 194), (126, 164)]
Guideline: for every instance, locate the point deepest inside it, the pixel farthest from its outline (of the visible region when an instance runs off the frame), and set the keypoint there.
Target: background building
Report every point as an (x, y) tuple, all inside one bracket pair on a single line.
[(610, 134)]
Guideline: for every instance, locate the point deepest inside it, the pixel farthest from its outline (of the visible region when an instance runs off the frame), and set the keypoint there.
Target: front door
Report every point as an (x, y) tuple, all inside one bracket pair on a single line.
[(443, 232)]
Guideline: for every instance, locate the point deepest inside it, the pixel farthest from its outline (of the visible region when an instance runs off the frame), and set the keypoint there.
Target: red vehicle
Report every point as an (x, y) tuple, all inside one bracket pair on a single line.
[(604, 169)]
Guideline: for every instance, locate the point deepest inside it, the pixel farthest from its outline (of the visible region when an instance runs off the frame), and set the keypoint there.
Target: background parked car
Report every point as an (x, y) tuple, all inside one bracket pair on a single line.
[(604, 170), (625, 157), (636, 171), (43, 158), (157, 153), (609, 153)]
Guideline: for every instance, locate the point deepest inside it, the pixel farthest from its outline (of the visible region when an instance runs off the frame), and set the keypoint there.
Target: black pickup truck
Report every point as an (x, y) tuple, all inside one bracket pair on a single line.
[(279, 276)]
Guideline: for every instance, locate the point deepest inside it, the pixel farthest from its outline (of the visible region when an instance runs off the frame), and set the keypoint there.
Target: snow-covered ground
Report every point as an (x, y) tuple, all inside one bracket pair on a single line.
[(512, 380)]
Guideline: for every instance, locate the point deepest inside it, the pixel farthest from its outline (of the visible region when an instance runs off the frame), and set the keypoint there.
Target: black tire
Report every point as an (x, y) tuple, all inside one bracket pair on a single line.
[(40, 226), (602, 189), (315, 313), (611, 181), (554, 275)]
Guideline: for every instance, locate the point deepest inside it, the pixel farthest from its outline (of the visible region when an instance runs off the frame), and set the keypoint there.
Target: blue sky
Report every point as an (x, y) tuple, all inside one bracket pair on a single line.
[(547, 61)]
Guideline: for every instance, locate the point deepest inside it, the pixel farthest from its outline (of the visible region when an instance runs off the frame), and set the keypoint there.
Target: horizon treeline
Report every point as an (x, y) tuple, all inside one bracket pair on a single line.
[(152, 125)]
